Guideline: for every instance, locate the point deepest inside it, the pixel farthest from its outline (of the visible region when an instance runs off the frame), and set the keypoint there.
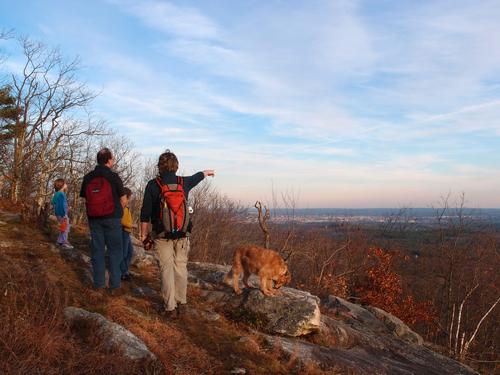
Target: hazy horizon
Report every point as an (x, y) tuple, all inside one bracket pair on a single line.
[(392, 209)]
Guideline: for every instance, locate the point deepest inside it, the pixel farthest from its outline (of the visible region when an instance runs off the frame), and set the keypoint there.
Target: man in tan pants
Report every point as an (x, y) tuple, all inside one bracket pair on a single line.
[(171, 249)]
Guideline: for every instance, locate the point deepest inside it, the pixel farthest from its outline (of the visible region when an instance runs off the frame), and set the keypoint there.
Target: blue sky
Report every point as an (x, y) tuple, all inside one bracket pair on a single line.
[(345, 103)]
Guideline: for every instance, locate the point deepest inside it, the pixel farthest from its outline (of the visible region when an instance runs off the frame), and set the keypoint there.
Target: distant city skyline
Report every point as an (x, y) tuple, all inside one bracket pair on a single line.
[(340, 103)]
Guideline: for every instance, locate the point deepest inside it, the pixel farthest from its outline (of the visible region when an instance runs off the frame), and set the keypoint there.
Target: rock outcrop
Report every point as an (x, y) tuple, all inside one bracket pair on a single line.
[(115, 336), (377, 320), (349, 336), (346, 336), (362, 346), (396, 326), (292, 313)]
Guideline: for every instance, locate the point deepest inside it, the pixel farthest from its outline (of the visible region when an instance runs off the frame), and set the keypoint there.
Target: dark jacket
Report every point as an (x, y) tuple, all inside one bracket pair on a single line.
[(116, 186), (150, 210)]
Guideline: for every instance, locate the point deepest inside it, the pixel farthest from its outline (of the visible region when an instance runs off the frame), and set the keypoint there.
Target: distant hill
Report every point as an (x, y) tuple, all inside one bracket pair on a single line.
[(417, 215)]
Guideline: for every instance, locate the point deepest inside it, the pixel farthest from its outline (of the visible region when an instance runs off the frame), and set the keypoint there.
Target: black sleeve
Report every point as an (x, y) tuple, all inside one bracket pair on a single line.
[(120, 191), (192, 181), (147, 204), (82, 189)]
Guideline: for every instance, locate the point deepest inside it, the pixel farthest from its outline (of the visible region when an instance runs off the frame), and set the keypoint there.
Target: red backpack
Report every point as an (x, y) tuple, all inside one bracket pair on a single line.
[(99, 197), (174, 212)]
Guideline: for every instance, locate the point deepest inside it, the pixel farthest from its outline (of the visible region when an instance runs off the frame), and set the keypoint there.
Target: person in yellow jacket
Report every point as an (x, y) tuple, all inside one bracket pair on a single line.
[(128, 249)]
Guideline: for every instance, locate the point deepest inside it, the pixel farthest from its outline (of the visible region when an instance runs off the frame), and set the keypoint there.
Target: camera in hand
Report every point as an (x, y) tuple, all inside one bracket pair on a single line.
[(148, 243)]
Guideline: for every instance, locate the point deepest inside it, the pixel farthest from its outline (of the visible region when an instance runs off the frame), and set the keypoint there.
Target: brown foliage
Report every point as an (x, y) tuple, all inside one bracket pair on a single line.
[(382, 287)]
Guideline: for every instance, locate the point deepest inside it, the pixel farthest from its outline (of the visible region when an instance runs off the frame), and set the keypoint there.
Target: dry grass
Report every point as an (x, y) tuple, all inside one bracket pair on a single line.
[(37, 283), (34, 337)]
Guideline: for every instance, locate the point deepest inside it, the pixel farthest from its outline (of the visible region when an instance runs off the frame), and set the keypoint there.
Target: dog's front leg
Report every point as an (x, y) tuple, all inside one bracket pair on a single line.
[(236, 281), (265, 286), (236, 288)]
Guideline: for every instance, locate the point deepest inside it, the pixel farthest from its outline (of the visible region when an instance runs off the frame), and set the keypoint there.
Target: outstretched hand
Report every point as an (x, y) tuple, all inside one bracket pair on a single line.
[(209, 172)]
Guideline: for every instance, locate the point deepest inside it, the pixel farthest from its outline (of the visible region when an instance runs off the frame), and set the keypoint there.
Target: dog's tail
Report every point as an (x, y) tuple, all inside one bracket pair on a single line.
[(236, 265)]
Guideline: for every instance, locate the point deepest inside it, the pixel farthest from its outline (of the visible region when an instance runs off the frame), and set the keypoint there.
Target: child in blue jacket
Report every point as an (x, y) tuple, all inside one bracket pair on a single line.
[(60, 204)]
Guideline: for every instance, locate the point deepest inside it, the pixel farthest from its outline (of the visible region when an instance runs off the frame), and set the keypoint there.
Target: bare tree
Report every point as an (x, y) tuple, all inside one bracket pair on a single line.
[(396, 221), (263, 217), (289, 200), (125, 156), (465, 343), (47, 95), (328, 261), (217, 224)]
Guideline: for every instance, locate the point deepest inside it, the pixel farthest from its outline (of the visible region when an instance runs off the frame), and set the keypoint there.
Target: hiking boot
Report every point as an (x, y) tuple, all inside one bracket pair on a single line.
[(168, 314), (67, 246), (127, 277), (164, 313), (116, 292)]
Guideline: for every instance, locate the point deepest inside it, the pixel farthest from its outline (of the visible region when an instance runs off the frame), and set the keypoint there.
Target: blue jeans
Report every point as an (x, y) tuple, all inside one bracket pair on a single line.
[(106, 233), (128, 250)]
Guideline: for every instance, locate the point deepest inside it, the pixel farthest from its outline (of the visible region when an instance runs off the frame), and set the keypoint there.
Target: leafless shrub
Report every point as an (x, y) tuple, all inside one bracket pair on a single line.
[(216, 225)]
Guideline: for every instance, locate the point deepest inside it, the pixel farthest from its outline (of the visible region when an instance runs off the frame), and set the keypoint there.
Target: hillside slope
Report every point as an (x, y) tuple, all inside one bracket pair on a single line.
[(39, 281)]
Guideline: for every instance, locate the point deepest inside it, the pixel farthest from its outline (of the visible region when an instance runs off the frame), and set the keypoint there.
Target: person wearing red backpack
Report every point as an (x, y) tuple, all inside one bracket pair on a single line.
[(104, 200), (165, 220)]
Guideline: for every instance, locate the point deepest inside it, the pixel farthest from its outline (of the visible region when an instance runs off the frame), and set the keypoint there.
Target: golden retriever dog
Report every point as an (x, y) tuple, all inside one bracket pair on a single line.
[(267, 264)]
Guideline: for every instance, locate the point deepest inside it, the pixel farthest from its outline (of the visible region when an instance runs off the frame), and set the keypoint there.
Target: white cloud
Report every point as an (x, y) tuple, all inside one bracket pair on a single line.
[(164, 16), (347, 84), (442, 54), (281, 76)]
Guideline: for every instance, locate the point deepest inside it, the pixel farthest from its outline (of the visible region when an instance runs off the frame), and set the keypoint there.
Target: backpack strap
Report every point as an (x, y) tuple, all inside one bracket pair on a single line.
[(162, 185), (180, 181), (158, 181)]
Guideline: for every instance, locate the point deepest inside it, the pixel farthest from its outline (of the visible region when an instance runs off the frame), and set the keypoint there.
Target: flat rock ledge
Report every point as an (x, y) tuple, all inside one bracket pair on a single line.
[(370, 318), (292, 313), (389, 358), (396, 326), (114, 334)]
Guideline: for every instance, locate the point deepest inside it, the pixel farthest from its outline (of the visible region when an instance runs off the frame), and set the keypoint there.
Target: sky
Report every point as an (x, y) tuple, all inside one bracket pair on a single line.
[(338, 103)]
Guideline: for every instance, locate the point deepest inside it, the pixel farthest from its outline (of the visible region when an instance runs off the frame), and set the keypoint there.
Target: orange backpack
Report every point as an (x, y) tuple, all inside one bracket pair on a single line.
[(174, 212)]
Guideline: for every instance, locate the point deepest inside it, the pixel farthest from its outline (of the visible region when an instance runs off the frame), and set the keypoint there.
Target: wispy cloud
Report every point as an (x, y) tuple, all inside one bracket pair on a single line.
[(362, 102), (181, 21), (332, 73)]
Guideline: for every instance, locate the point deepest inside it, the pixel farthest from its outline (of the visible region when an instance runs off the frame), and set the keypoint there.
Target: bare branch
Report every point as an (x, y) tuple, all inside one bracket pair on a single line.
[(329, 259), (459, 318), (263, 217), (473, 336)]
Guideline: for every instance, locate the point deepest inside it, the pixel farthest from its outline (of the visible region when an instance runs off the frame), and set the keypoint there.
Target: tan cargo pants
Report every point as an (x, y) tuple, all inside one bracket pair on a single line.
[(172, 256)]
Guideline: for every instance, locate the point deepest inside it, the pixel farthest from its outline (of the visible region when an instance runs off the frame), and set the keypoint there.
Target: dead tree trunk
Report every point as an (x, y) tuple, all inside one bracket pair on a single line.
[(263, 217)]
